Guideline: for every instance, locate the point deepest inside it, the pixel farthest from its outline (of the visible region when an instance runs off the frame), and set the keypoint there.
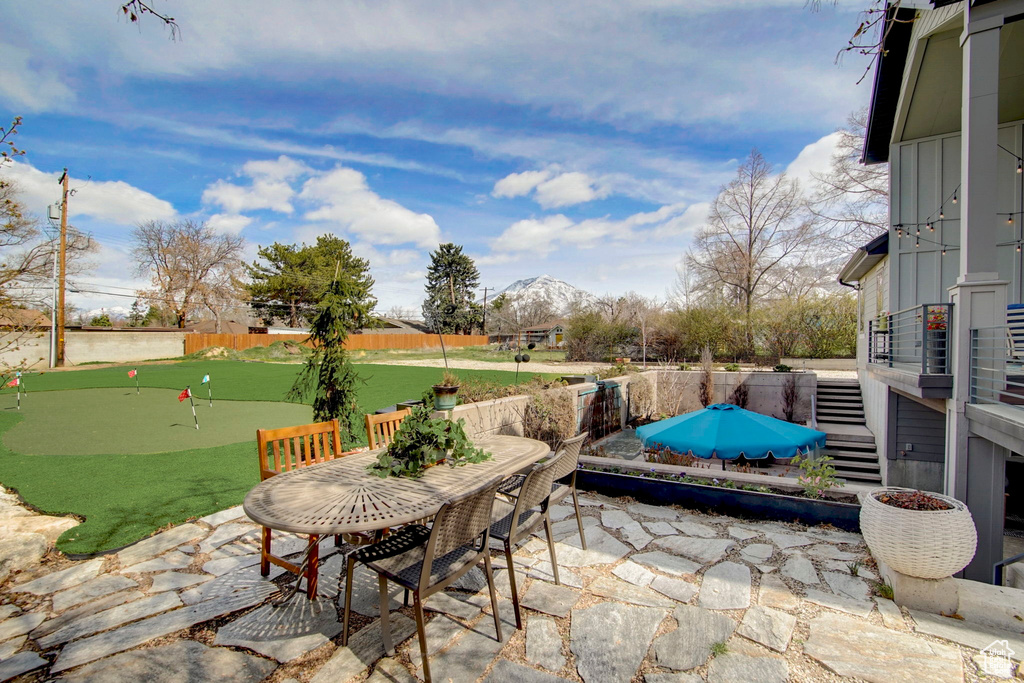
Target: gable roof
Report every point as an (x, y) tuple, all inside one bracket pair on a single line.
[(864, 259)]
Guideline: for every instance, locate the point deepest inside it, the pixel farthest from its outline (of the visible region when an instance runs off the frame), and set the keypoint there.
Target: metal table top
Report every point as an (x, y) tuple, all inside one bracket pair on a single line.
[(340, 496)]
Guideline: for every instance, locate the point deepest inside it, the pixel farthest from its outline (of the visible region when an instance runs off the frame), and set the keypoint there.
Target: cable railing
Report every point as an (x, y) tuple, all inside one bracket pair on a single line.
[(997, 365), (915, 339)]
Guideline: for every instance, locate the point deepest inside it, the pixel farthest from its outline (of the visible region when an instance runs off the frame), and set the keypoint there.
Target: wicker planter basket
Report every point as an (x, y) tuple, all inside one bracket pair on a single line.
[(928, 544)]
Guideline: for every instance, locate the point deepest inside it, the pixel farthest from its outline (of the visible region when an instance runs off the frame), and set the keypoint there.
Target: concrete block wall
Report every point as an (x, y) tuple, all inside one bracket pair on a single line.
[(116, 346), (677, 391), (499, 416)]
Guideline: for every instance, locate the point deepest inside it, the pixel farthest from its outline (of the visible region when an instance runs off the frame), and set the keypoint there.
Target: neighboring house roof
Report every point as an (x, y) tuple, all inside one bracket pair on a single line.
[(23, 317), (546, 327), (210, 327), (400, 324), (864, 259)]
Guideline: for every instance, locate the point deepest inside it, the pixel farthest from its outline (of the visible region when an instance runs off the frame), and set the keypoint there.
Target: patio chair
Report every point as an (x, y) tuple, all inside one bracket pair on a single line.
[(564, 479), (381, 428), (424, 561), (512, 522), (289, 448)]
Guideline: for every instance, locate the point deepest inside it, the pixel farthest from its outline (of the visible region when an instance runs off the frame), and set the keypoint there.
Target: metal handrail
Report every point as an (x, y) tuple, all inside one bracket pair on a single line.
[(997, 568), (997, 365), (916, 339)]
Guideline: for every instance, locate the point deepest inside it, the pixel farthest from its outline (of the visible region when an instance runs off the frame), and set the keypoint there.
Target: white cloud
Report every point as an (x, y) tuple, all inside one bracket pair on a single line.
[(230, 224), (270, 188), (109, 200), (282, 168), (26, 86), (532, 236), (347, 201), (565, 190), (814, 158), (519, 184)]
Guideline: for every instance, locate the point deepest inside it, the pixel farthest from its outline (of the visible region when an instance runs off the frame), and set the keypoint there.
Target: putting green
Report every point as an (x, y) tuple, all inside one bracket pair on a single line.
[(117, 421)]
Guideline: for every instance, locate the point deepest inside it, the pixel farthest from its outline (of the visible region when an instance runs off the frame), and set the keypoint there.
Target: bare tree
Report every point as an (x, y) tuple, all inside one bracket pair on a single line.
[(190, 265), (510, 314), (757, 227), (644, 313), (852, 199)]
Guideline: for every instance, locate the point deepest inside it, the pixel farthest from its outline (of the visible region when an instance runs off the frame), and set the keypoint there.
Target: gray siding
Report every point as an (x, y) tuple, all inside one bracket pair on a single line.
[(917, 444)]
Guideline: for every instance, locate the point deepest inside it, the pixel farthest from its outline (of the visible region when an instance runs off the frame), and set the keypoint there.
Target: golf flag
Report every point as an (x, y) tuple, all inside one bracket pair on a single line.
[(183, 395), (135, 373), (14, 382), (132, 373), (209, 388), (206, 378)]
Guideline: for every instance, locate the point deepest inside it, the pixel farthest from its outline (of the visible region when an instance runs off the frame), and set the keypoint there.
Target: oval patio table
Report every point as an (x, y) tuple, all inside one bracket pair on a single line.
[(342, 497)]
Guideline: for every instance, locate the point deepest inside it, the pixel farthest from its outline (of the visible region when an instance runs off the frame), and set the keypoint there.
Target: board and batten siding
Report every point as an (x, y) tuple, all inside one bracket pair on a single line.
[(873, 300), (925, 174), (916, 449)]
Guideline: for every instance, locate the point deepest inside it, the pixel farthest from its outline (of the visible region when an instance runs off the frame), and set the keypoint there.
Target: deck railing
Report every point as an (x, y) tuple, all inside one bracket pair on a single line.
[(997, 365), (915, 339)]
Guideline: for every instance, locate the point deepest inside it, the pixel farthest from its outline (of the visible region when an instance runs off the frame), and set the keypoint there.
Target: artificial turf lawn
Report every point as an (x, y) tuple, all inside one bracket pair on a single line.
[(126, 497)]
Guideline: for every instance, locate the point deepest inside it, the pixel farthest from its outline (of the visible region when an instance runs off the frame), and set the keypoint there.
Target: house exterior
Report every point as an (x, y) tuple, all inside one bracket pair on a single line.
[(550, 333), (942, 382)]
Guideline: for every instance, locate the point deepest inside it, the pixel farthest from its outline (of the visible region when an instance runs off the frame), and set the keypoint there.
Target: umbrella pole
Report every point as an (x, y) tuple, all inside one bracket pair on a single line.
[(723, 465)]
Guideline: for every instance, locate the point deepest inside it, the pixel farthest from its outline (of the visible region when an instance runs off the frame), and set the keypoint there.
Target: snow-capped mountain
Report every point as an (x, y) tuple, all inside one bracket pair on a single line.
[(561, 294), (112, 311)]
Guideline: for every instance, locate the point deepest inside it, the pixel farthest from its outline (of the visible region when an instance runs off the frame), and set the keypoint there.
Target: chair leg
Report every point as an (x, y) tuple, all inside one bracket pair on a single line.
[(405, 598), (551, 546), (494, 595), (421, 634), (348, 598), (312, 567), (579, 519), (385, 617), (264, 551), (512, 582), (337, 540)]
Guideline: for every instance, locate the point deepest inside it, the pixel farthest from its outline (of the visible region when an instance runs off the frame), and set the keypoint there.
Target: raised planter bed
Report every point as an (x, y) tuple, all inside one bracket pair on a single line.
[(735, 502)]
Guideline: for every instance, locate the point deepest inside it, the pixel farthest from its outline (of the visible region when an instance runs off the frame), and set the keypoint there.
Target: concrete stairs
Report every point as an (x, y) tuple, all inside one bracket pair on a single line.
[(840, 412)]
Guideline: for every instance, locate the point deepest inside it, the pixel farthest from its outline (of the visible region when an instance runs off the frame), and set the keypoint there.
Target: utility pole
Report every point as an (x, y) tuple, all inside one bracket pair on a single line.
[(485, 310), (63, 267)]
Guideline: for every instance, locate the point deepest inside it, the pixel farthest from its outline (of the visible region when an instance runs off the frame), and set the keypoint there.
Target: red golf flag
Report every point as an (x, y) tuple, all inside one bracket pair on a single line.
[(14, 382), (183, 395), (132, 373)]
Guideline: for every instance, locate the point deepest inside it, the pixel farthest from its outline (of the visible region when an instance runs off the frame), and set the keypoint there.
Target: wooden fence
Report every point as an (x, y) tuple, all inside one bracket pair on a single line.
[(239, 342)]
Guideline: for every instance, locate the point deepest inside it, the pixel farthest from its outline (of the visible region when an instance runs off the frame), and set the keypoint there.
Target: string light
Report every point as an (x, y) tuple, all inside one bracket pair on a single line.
[(1009, 219), (918, 231), (917, 244), (942, 214), (943, 252), (1020, 168), (954, 197)]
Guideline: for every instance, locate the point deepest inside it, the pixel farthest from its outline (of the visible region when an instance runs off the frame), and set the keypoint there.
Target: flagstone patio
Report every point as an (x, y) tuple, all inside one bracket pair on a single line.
[(661, 594)]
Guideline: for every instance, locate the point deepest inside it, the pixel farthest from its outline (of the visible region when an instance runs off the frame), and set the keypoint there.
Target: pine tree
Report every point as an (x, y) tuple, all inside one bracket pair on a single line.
[(344, 307), (452, 279)]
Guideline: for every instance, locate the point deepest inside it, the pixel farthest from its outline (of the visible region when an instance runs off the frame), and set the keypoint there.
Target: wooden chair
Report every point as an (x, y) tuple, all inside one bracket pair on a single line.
[(427, 560), (380, 429), (286, 449)]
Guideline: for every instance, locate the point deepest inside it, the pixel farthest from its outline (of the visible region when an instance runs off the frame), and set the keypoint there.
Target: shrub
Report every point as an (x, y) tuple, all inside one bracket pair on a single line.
[(782, 367), (550, 415), (816, 475), (790, 396), (641, 397), (740, 396), (732, 367), (706, 392)]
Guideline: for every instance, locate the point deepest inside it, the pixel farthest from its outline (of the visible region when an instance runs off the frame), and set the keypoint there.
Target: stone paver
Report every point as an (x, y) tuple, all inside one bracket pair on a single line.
[(8, 611), (167, 561), (847, 586), (96, 647), (660, 528), (286, 632), (602, 548), (241, 581), (64, 579), (734, 668), (725, 586), (162, 542), (172, 581), (544, 643), (706, 550), (21, 663), (222, 566), (13, 627), (549, 599), (94, 607), (224, 534), (182, 662), (614, 589), (224, 516), (93, 588), (615, 519), (691, 528), (560, 512), (799, 568), (757, 553), (830, 552), (8, 648), (672, 678), (111, 618), (363, 649), (852, 647), (680, 590), (505, 670), (388, 670), (653, 511), (610, 641), (784, 541), (635, 535), (859, 608), (966, 633), (742, 534), (634, 573), (892, 617), (668, 564), (457, 605), (775, 593), (475, 649), (21, 551), (689, 646), (769, 627)]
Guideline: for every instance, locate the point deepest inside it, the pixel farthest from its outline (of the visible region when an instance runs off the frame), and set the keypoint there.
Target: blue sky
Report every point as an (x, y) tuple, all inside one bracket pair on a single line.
[(578, 139)]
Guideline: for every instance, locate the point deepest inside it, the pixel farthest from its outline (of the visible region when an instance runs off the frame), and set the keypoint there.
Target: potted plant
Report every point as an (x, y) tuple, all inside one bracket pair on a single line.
[(918, 533), (445, 393), (422, 442)]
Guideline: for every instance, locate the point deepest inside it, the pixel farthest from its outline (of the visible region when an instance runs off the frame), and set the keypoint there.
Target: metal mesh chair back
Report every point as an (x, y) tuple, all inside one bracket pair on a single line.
[(537, 485), (570, 450), (461, 520), (289, 448)]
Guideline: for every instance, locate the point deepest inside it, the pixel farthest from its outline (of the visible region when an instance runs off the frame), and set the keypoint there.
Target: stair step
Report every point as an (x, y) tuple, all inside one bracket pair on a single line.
[(839, 456), (852, 448), (841, 400), (844, 420), (859, 466), (858, 477), (840, 410)]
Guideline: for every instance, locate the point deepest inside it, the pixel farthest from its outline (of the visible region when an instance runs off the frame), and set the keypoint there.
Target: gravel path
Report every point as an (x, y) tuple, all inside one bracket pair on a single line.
[(564, 368)]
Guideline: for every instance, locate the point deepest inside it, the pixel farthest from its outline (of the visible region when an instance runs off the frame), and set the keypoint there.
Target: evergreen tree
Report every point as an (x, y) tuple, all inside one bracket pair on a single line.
[(289, 280), (344, 307), (452, 278)]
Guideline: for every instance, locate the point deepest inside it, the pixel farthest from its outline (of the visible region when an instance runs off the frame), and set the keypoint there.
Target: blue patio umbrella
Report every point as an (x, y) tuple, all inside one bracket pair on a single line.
[(727, 432)]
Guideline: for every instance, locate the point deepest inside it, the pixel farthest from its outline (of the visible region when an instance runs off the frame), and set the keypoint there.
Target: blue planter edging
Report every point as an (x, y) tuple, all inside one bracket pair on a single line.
[(723, 501)]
